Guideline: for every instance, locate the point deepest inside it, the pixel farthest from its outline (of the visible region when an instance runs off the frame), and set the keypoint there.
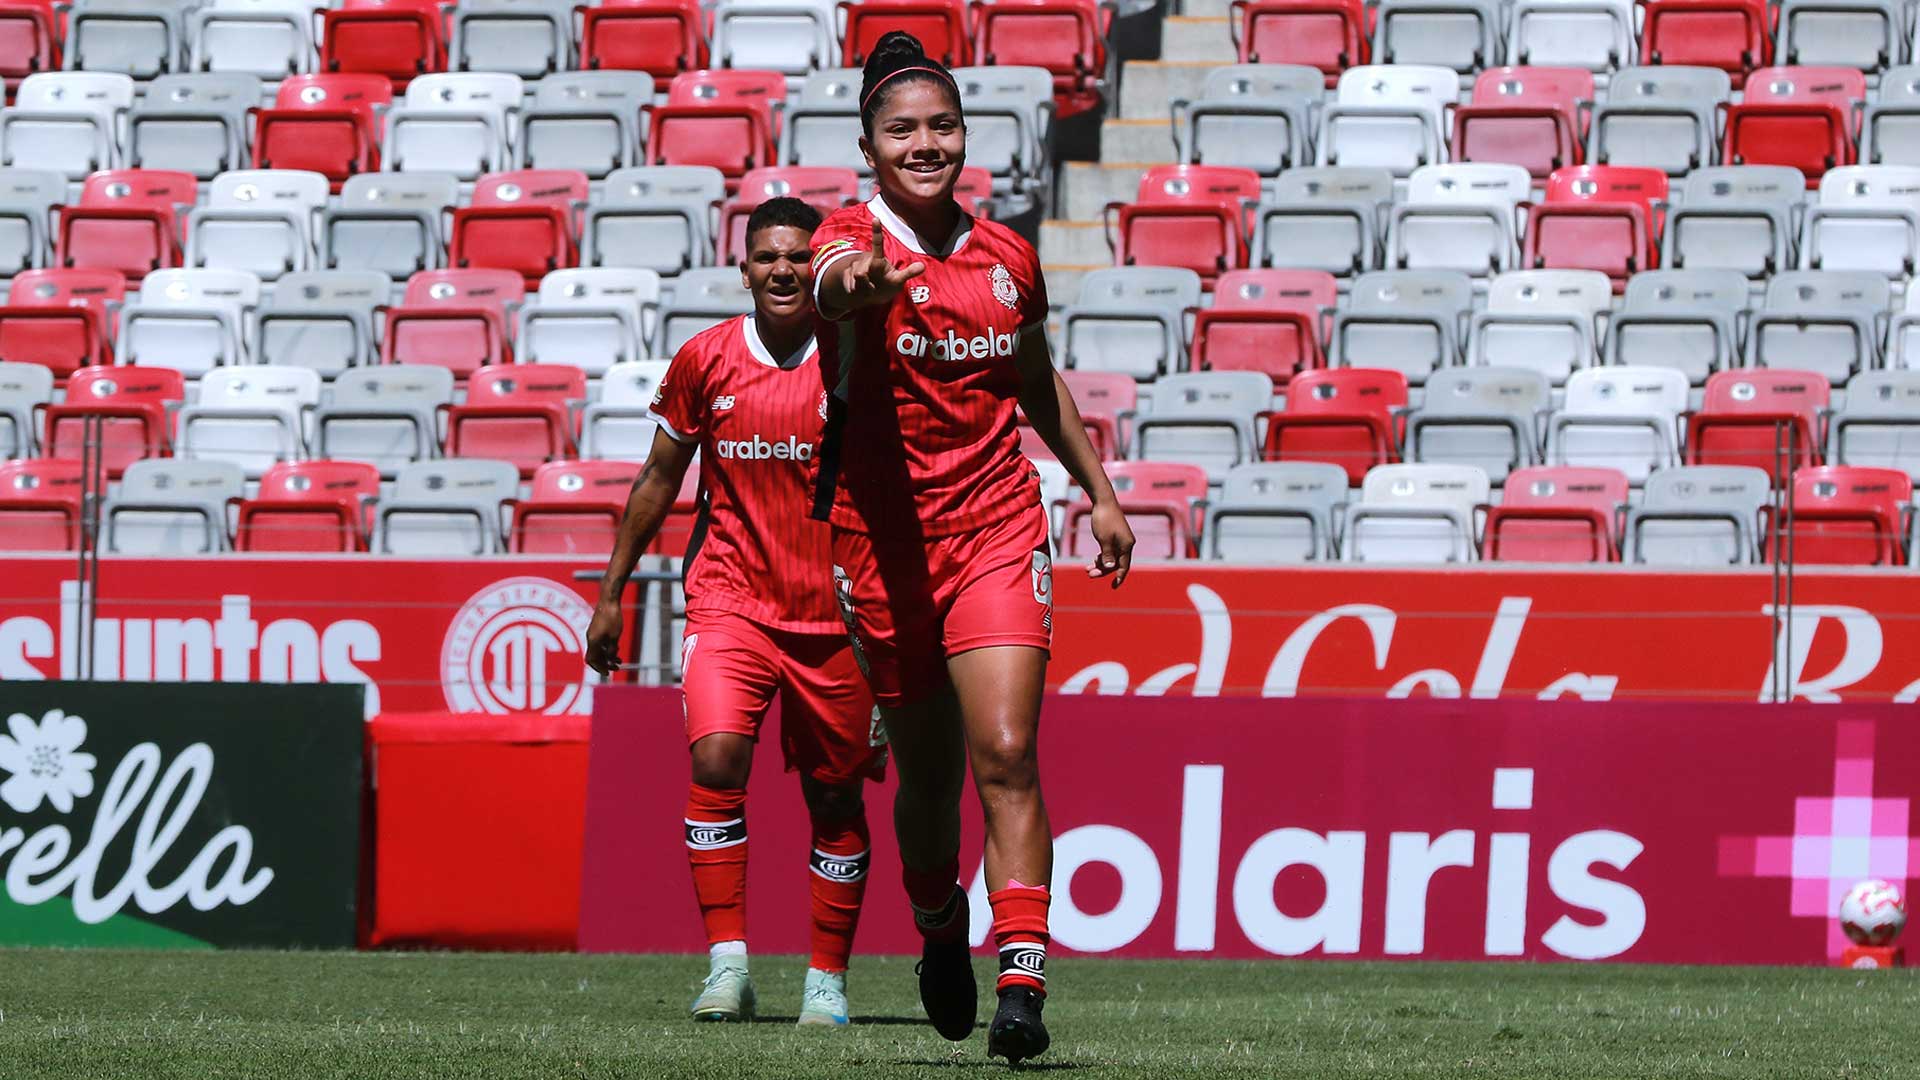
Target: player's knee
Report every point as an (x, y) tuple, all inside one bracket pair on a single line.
[(722, 761), (1005, 759), (835, 803)]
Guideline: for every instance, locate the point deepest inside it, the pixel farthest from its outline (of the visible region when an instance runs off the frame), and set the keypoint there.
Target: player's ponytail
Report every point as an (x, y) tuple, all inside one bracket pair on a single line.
[(898, 58)]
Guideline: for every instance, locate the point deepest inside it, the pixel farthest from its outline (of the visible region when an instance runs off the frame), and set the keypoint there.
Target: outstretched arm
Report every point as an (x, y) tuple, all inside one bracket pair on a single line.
[(1049, 407), (648, 504), (845, 283)]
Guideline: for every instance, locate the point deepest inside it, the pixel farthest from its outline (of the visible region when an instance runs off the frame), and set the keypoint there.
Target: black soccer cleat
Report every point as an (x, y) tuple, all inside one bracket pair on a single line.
[(947, 990), (1018, 1033)]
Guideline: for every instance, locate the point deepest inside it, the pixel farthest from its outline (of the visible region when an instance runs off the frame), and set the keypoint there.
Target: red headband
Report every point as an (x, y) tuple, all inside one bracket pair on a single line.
[(943, 76)]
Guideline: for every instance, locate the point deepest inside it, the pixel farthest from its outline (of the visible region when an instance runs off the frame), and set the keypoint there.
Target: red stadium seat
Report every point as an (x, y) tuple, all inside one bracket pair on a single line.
[(1161, 500), (940, 26), (1735, 36), (1332, 35), (974, 192), (1192, 216), (720, 119), (527, 221), (397, 39), (61, 319), (1270, 321), (1598, 217), (1067, 37), (30, 39), (1849, 515), (1346, 416), (1527, 116), (1762, 417), (677, 532), (310, 506), (660, 37), (1556, 513), (826, 188), (40, 505), (1806, 117), (574, 508), (128, 220), (134, 406), (1104, 399), (455, 319), (329, 124), (521, 413)]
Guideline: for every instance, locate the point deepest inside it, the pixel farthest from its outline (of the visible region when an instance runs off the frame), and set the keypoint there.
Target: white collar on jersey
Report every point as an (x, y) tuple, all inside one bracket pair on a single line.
[(904, 233), (751, 335)]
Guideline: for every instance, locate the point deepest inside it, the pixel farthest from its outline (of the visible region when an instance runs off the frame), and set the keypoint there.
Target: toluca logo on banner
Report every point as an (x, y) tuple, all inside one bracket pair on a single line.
[(516, 646), (179, 816)]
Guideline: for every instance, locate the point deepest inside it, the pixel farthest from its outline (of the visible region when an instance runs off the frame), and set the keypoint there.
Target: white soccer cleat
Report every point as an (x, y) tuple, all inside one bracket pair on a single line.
[(823, 1000), (727, 995)]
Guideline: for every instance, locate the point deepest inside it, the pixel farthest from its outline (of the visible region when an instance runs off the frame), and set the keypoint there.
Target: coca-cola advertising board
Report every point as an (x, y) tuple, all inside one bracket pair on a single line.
[(1433, 829)]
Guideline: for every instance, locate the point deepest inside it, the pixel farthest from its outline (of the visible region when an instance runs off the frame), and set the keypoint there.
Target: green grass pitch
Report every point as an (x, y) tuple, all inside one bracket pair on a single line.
[(197, 1016)]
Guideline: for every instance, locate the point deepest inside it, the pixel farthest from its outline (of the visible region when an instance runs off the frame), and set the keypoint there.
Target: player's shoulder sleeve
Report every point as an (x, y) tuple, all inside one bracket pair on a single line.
[(680, 400), (846, 232)]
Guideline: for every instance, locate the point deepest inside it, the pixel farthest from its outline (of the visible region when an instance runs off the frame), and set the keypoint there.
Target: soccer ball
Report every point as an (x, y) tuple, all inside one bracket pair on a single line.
[(1873, 912)]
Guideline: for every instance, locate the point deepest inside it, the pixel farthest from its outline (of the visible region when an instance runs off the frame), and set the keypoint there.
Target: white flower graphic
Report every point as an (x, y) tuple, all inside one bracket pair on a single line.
[(45, 762)]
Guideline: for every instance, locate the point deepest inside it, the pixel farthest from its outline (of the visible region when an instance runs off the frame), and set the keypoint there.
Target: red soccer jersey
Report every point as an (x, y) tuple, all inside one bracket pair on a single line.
[(756, 419), (921, 432)]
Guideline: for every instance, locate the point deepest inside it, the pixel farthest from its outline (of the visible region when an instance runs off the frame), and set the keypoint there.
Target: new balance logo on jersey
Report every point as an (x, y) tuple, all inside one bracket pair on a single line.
[(759, 449), (847, 868), (723, 403), (992, 345), (714, 835)]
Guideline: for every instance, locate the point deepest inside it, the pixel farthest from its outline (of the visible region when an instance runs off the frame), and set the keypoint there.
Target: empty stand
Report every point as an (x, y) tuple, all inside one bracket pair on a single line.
[(446, 508), (191, 320), (592, 319), (1461, 217), (1415, 514), (1827, 322), (660, 37), (1842, 514), (1251, 116), (1526, 116), (61, 320), (1269, 321), (396, 39), (1328, 35), (1388, 116), (1323, 218), (719, 119), (456, 319), (1689, 320), (1542, 320), (1805, 117), (657, 218), (1623, 418), (574, 508), (1741, 217), (527, 221), (384, 416), (1698, 515), (1598, 217), (325, 123), (1161, 500), (1867, 218), (252, 417), (1770, 420), (129, 220), (1556, 515), (309, 506), (1735, 36), (1664, 118), (321, 319), (133, 407), (40, 505), (1068, 38), (592, 122), (25, 389), (1129, 320), (392, 223), (620, 425), (1408, 321), (270, 39), (1276, 512), (1348, 417), (522, 413), (1878, 424), (257, 220), (1190, 216), (459, 123), (169, 506), (197, 123), (1488, 417), (1202, 418), (66, 121)]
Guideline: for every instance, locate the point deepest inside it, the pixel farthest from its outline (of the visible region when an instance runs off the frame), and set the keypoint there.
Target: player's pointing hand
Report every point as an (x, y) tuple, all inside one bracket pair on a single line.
[(870, 280)]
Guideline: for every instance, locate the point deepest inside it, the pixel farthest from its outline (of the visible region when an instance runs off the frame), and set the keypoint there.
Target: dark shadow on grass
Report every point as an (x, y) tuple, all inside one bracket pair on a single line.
[(976, 1063)]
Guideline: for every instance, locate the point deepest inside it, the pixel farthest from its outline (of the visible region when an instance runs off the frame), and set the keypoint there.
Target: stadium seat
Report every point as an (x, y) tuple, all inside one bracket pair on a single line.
[(1624, 418), (941, 26), (1415, 514), (1488, 417), (592, 122), (1461, 217), (701, 298), (654, 218), (527, 38), (1388, 116), (791, 38), (455, 319), (1867, 218), (1348, 417), (271, 39), (1276, 512), (620, 425), (189, 320), (1890, 129), (1556, 514), (1735, 217), (453, 122), (1190, 216), (252, 417), (574, 508), (1542, 320), (1010, 114), (66, 121), (1879, 423), (974, 192), (27, 199), (1864, 34), (448, 509), (321, 319), (1664, 118), (40, 505), (1806, 117), (592, 319), (309, 506), (1066, 37), (385, 416), (1526, 116), (1108, 402), (257, 220), (196, 123), (1698, 515), (1770, 420), (396, 39), (1849, 515), (1598, 217), (127, 220), (1408, 321), (1161, 500), (1824, 321), (167, 506), (25, 389), (824, 188), (1689, 320), (1735, 36), (822, 125), (1130, 320), (1596, 35), (1269, 321), (1202, 418), (523, 413), (61, 320), (132, 37), (30, 40), (1465, 36), (1323, 218), (660, 37), (1249, 116), (720, 119), (528, 221), (392, 223), (1330, 35), (134, 410), (1903, 335), (326, 123)]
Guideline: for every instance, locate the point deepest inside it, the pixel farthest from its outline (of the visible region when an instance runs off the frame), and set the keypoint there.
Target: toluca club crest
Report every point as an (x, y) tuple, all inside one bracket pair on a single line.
[(1004, 289)]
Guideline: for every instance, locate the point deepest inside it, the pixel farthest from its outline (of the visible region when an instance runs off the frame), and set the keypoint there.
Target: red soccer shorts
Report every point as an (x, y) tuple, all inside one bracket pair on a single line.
[(731, 670), (910, 602)]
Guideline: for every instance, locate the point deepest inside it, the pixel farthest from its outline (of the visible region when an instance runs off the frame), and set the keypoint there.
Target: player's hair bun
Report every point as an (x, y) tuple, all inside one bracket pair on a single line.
[(898, 57)]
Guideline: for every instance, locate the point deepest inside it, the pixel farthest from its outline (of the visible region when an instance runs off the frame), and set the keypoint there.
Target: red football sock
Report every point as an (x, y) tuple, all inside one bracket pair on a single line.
[(717, 851), (1020, 933), (936, 896), (839, 882)]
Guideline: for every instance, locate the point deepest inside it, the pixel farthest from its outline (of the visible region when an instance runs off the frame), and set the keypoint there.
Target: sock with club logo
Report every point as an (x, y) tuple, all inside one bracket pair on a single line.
[(1020, 933), (838, 883), (717, 851), (936, 898)]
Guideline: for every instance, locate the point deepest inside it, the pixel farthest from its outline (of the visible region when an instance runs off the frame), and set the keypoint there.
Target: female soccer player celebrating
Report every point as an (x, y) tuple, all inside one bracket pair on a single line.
[(931, 328), (760, 614)]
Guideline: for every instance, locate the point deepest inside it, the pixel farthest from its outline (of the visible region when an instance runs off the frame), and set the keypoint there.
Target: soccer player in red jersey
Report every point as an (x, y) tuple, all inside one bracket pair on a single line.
[(931, 328), (760, 613)]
